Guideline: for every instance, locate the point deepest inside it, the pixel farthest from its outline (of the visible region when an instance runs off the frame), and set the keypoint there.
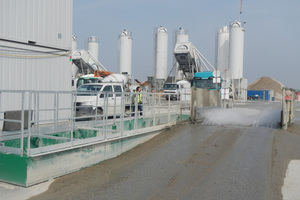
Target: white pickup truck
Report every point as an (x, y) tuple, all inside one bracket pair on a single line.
[(96, 99)]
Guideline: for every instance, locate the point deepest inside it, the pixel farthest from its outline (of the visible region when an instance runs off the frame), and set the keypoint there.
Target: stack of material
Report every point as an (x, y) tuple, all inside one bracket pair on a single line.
[(267, 83)]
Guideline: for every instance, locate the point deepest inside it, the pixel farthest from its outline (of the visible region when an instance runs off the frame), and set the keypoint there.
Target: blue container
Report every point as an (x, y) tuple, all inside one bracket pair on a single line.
[(263, 95)]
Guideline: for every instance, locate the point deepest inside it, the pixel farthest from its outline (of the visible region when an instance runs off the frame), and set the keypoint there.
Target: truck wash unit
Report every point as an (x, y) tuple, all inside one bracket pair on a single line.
[(207, 92)]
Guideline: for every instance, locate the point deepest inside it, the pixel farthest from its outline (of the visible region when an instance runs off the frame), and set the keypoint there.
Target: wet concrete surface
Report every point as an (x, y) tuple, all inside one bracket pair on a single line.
[(190, 161), (196, 162)]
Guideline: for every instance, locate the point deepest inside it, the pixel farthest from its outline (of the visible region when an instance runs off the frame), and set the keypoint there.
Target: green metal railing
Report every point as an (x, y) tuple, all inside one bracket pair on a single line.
[(42, 122)]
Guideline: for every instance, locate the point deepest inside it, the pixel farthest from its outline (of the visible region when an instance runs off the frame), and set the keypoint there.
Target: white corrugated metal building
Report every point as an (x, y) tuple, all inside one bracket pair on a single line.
[(35, 44)]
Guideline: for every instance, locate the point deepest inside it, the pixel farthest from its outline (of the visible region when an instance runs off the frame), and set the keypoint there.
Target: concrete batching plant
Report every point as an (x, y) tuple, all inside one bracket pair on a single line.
[(125, 52)]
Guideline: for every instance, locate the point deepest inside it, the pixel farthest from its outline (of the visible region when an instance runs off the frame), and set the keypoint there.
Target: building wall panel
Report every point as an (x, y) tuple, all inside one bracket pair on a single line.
[(33, 69), (44, 65), (46, 22)]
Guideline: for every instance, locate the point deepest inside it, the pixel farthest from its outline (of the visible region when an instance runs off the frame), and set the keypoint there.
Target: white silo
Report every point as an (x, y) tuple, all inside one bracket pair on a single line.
[(236, 49), (125, 52), (222, 48), (182, 36), (93, 46), (161, 63)]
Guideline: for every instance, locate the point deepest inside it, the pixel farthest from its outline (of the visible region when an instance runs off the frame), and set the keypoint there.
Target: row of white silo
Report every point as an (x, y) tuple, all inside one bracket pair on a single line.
[(124, 50), (230, 56), (93, 45), (93, 49), (230, 49)]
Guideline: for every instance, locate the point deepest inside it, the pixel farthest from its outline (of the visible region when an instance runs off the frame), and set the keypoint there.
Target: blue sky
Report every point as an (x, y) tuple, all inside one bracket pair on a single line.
[(272, 37)]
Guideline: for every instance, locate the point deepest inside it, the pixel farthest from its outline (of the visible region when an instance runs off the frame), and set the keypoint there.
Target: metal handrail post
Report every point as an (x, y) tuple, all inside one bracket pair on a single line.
[(115, 104), (29, 123), (73, 114), (105, 114), (151, 106), (159, 106), (35, 112), (169, 110), (180, 104), (96, 109), (1, 108), (154, 109), (38, 112), (22, 125), (56, 111), (135, 112), (122, 113)]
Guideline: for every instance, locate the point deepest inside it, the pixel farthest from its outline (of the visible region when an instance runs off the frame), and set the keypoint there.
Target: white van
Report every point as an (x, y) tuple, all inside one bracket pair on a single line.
[(99, 98)]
